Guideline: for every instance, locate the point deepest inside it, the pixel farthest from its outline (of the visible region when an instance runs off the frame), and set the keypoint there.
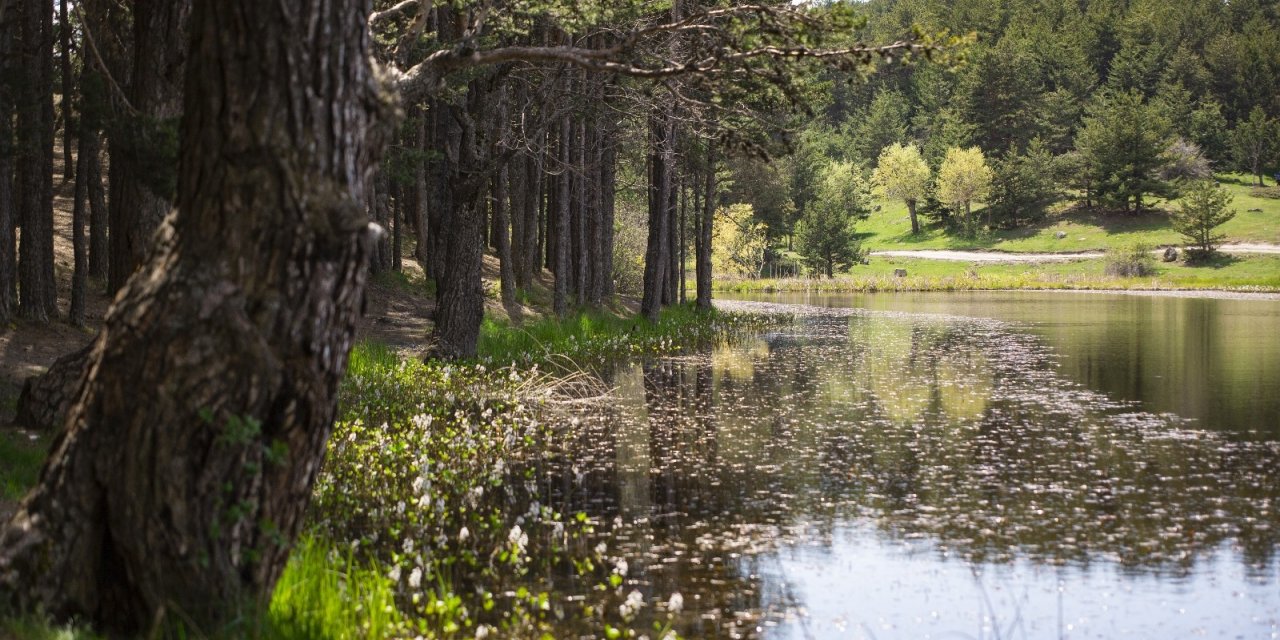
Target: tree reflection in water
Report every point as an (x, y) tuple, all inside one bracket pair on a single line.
[(958, 432)]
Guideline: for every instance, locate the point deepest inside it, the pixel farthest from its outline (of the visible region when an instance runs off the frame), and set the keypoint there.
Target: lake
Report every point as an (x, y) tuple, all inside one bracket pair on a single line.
[(967, 465)]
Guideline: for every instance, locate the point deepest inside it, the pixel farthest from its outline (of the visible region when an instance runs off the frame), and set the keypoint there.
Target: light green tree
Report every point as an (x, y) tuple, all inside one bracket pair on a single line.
[(825, 235), (1204, 207), (738, 242), (963, 178), (902, 174)]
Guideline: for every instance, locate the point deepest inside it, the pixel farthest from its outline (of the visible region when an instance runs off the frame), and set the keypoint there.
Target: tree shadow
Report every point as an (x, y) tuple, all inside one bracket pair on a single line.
[(1215, 260)]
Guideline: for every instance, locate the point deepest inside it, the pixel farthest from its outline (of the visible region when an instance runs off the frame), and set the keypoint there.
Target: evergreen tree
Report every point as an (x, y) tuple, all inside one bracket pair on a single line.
[(1253, 142), (883, 124), (1022, 186), (1122, 145), (1203, 209), (825, 235)]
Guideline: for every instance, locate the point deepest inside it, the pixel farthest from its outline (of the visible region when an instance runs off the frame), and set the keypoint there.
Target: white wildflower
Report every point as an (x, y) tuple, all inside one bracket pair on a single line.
[(407, 546), (482, 631), (415, 578), (394, 574), (676, 603), (518, 538), (635, 601), (463, 534)]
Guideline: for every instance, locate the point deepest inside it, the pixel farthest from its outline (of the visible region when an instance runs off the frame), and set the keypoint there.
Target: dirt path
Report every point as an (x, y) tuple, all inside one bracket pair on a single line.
[(1005, 256)]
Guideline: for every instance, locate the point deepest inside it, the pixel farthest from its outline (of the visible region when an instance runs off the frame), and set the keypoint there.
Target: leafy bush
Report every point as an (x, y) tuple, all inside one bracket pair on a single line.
[(1134, 261)]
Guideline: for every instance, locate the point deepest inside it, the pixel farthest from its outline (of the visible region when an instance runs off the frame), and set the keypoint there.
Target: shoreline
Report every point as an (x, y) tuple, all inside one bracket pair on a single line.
[(1210, 294)]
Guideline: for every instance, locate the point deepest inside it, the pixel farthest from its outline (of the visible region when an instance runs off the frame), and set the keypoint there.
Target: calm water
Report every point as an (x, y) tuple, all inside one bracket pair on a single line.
[(1077, 467)]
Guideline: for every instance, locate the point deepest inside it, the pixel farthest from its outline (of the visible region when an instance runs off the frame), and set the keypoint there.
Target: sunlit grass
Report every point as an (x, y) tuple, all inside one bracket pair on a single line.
[(326, 593), (1257, 220), (1244, 272), (592, 338)]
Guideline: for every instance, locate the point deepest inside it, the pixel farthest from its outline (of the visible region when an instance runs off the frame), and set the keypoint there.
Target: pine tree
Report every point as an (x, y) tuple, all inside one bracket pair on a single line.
[(1204, 207), (825, 235)]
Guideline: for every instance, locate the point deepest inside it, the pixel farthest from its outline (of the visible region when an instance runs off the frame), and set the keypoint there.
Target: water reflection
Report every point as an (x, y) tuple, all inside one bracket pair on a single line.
[(945, 464), (1213, 360)]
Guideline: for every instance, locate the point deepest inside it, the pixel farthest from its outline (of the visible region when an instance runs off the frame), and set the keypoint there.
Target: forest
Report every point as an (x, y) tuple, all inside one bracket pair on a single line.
[(209, 203)]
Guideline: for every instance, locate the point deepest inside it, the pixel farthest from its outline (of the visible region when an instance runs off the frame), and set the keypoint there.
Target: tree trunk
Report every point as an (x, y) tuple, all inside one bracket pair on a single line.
[(506, 271), (533, 207), (146, 139), (560, 300), (422, 250), (595, 242), (98, 213), (580, 253), (656, 258), (608, 182), (460, 290), (64, 30), (684, 213), (183, 503), (915, 223), (704, 230), (34, 168), (516, 196), (8, 262), (80, 249)]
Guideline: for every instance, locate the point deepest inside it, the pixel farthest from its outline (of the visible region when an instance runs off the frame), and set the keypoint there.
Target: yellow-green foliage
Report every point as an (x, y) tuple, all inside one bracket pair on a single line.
[(738, 241), (963, 178), (901, 174)]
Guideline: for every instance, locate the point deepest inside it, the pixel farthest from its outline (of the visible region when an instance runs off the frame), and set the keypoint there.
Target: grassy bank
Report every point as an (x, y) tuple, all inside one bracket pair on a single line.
[(411, 531), (890, 228), (1225, 272), (590, 339)]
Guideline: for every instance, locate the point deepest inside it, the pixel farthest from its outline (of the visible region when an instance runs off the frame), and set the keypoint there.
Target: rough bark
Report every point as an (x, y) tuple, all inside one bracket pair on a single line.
[(517, 195), (34, 169), (703, 259), (608, 184), (64, 33), (45, 399), (460, 290), (421, 250), (595, 222), (79, 243), (684, 218), (532, 229), (145, 135), (656, 256), (506, 270), (98, 242), (669, 289), (182, 504), (581, 232), (8, 262), (560, 299)]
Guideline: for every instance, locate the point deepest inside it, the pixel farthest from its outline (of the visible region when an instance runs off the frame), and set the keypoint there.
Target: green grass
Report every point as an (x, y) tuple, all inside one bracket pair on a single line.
[(20, 460), (1241, 272), (890, 228), (591, 338), (326, 593)]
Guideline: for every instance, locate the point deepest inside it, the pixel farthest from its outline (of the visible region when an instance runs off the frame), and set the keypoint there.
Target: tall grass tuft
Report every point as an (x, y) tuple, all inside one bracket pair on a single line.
[(325, 593)]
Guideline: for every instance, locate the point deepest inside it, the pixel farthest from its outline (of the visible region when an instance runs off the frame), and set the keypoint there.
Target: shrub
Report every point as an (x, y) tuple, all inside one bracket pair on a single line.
[(1134, 261), (1203, 209)]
